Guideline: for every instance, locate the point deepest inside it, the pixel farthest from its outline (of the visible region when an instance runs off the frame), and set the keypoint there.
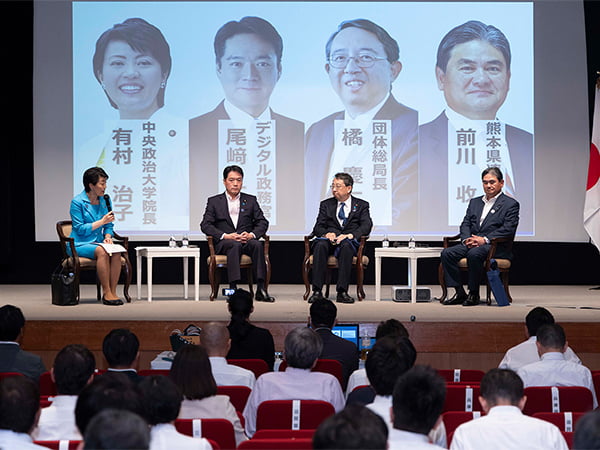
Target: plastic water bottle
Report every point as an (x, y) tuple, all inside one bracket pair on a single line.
[(365, 344), (185, 241), (385, 243), (172, 242), (411, 242)]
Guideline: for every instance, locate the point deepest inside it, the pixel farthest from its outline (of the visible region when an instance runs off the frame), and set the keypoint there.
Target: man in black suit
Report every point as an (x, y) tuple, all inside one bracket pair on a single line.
[(12, 357), (236, 222), (342, 220), (494, 215), (121, 348)]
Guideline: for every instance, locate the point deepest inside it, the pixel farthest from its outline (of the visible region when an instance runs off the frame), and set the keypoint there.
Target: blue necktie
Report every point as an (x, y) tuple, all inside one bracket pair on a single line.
[(342, 214)]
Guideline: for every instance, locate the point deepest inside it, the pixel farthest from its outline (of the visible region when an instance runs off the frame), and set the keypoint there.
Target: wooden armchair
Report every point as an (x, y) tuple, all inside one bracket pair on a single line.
[(216, 261), (503, 265), (332, 264), (77, 264)]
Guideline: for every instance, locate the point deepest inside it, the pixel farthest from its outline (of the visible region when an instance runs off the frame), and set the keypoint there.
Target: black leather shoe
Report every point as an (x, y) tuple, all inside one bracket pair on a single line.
[(263, 296), (316, 295), (472, 300), (116, 302), (456, 299), (343, 297)]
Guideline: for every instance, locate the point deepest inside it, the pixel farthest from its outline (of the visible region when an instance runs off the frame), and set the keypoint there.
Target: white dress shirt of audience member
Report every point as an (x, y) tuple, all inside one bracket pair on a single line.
[(215, 339), (73, 370), (526, 352), (417, 405), (553, 369), (192, 374), (504, 426), (162, 402), (302, 347)]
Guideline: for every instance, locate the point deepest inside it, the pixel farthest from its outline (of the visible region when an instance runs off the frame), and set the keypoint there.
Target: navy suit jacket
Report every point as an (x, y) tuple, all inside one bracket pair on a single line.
[(359, 221), (320, 145), (433, 174), (217, 220), (14, 359), (342, 350), (205, 173)]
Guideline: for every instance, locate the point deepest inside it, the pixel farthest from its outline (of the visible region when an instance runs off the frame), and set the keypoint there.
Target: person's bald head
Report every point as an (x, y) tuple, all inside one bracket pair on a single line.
[(215, 339)]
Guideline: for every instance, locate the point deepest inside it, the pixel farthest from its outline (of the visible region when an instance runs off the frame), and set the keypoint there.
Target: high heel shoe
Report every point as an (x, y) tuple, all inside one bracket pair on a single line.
[(116, 302)]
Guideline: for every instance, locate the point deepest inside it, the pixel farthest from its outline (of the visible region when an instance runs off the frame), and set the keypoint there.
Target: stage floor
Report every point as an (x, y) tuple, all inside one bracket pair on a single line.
[(567, 303)]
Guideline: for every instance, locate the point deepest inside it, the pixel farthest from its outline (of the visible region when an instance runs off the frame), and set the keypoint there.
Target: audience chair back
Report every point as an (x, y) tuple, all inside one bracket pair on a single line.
[(565, 421), (568, 435), (284, 434), (557, 399), (330, 366), (452, 419), (257, 366), (4, 375), (219, 430), (596, 380), (238, 395), (276, 444), (150, 372), (461, 375), (59, 445), (292, 414), (47, 386), (462, 398)]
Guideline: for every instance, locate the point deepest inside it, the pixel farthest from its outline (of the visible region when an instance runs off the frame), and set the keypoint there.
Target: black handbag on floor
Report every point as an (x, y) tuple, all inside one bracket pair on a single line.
[(64, 290)]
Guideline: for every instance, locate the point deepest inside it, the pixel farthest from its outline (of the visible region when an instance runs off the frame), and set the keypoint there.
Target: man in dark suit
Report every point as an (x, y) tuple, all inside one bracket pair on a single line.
[(362, 63), (494, 215), (121, 348), (248, 57), (12, 358), (473, 71), (236, 222), (342, 220)]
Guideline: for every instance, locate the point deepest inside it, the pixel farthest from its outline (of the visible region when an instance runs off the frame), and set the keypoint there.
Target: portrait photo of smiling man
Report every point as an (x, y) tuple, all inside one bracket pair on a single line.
[(375, 137), (243, 129), (473, 70)]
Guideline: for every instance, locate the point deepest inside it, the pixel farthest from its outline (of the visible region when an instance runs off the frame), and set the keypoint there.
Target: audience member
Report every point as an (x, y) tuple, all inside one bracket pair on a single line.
[(322, 318), (73, 370), (162, 401), (215, 339), (587, 432), (19, 413), (247, 341), (192, 375), (116, 429), (553, 369), (526, 352), (121, 350), (355, 427), (302, 349), (109, 390), (12, 358), (390, 327), (417, 405)]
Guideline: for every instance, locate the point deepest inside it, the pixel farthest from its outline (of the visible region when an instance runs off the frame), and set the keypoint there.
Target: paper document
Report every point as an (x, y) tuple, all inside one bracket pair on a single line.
[(113, 248)]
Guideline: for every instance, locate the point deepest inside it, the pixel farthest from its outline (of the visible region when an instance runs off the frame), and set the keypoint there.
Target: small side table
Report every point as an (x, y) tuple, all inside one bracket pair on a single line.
[(169, 252), (403, 252)]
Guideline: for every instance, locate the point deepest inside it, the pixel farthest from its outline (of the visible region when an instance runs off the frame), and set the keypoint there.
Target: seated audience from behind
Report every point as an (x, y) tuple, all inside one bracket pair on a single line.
[(121, 350), (302, 347), (72, 371), (109, 390), (215, 339), (323, 316), (587, 431), (390, 327), (162, 401), (417, 405), (355, 427), (12, 357), (19, 413), (526, 352), (504, 426), (112, 429), (553, 369), (192, 375), (247, 340)]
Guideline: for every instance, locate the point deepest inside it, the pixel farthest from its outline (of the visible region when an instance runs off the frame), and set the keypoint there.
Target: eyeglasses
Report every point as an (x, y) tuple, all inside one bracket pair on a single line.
[(337, 186), (364, 60)]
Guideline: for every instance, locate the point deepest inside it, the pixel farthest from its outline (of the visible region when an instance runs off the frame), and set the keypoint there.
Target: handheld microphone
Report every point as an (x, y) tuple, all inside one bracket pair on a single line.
[(107, 200)]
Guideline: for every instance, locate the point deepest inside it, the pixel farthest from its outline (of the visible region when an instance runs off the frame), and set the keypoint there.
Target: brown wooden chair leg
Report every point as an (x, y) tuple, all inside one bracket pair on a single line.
[(360, 292), (211, 279), (442, 281), (327, 281), (305, 270), (128, 274)]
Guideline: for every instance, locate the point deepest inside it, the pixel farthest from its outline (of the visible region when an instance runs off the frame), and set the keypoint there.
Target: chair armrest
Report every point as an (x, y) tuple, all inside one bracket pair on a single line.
[(123, 240), (211, 246), (448, 240), (361, 247), (267, 240), (493, 247)]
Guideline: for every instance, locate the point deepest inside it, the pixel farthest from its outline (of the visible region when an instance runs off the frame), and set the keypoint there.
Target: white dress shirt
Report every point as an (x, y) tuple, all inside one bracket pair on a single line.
[(506, 427), (526, 353), (230, 375), (164, 436), (293, 384), (399, 439), (357, 378), (57, 421), (10, 440), (554, 370)]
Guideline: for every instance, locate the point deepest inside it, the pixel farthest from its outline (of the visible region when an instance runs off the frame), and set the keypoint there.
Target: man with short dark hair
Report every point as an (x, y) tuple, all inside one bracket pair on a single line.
[(553, 369), (417, 405), (19, 413), (493, 215), (587, 432), (73, 370), (12, 358), (526, 352), (121, 350), (504, 426), (323, 316), (302, 347), (117, 428)]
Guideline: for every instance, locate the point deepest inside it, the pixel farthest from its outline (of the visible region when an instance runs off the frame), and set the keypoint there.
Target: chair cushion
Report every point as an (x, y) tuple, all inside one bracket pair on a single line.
[(502, 263), (332, 261), (86, 263), (221, 260)]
